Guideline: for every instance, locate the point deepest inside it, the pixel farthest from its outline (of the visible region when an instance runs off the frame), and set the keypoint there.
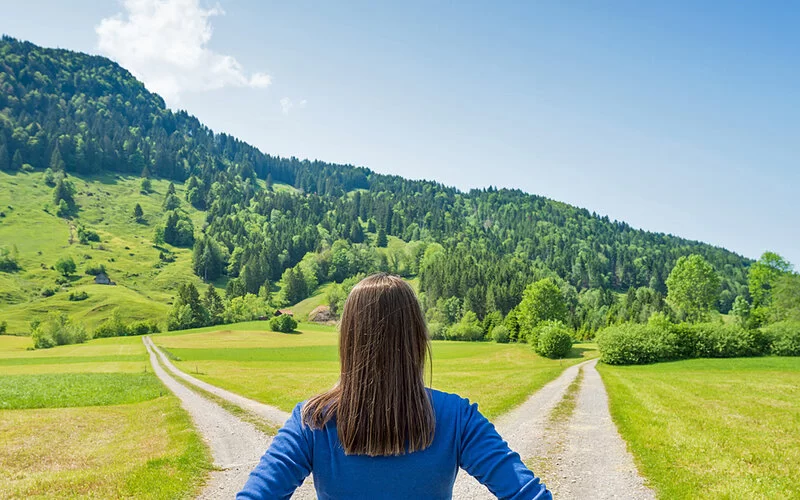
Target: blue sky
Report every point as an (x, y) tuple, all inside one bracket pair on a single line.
[(680, 117)]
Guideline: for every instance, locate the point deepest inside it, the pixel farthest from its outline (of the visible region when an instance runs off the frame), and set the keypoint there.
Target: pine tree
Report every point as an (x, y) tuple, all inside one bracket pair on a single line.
[(356, 233), (56, 162), (16, 161), (138, 213), (214, 305), (382, 239), (5, 162), (171, 189)]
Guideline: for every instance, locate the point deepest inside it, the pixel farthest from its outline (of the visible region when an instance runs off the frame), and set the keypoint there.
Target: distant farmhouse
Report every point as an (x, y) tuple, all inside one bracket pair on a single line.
[(287, 312), (103, 279)]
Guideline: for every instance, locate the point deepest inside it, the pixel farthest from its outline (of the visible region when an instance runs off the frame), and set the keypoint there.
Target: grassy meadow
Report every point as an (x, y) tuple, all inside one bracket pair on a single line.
[(283, 369), (92, 420), (145, 285), (712, 428)]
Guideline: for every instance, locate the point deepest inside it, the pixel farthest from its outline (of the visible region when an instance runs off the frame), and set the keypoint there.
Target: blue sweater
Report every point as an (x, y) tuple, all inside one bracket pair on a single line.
[(463, 438)]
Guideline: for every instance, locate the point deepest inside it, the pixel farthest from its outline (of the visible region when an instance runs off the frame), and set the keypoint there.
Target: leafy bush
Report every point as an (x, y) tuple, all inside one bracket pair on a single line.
[(143, 327), (112, 327), (78, 296), (8, 260), (115, 327), (3, 327), (49, 291), (86, 235), (436, 330), (500, 334), (57, 329), (469, 328), (554, 340), (95, 270), (628, 344), (784, 338), (632, 344), (715, 340), (283, 323)]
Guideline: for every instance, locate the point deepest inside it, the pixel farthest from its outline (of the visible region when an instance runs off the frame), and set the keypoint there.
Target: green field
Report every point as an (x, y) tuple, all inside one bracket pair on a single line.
[(283, 369), (145, 286), (712, 428), (92, 420)]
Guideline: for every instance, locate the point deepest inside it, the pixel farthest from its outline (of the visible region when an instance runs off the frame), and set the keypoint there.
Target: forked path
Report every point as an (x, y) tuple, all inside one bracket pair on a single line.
[(587, 456), (236, 446)]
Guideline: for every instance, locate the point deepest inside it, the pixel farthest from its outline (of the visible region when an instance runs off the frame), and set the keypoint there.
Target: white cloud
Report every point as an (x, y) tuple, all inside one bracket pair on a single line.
[(164, 43), (287, 104)]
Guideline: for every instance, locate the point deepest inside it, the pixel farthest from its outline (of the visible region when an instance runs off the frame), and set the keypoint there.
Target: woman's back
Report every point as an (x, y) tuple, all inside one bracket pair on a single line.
[(463, 438), (379, 433)]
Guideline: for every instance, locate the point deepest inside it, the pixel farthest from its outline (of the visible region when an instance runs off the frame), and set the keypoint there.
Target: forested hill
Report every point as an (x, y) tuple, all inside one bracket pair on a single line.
[(85, 115)]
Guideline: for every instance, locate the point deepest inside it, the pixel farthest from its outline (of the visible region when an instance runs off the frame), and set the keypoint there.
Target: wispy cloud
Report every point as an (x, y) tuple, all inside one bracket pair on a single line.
[(287, 104), (164, 43)]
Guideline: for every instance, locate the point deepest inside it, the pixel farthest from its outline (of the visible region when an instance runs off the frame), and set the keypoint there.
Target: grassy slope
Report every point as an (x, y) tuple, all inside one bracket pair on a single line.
[(106, 206), (712, 428), (283, 369), (89, 420)]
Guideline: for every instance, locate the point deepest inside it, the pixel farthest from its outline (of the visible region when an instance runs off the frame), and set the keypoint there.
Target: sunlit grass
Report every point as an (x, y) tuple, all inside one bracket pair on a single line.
[(144, 290), (281, 369), (76, 438), (142, 450), (712, 428)]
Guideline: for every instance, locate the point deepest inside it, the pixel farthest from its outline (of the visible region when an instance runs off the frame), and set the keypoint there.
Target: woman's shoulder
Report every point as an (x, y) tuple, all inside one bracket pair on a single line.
[(448, 401)]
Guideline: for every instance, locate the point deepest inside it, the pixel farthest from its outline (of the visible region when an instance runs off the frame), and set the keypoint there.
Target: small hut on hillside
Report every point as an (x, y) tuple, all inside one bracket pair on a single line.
[(281, 312), (103, 279)]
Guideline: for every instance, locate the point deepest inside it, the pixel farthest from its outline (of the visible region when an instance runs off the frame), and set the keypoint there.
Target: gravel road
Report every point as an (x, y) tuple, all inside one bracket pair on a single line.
[(524, 429), (593, 460), (236, 446), (586, 456)]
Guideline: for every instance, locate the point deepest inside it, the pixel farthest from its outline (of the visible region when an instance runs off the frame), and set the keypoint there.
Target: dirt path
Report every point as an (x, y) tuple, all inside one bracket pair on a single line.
[(584, 456), (524, 429), (593, 460), (236, 446)]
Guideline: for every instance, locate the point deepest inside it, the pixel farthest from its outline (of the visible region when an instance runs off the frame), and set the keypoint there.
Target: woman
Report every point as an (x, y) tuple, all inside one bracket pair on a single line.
[(379, 433)]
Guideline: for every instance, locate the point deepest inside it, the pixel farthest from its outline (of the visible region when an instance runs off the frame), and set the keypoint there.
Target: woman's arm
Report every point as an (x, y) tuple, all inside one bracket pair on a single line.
[(487, 457), (284, 466)]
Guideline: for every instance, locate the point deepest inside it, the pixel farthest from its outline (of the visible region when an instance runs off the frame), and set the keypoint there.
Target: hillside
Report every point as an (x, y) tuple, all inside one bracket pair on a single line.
[(89, 118)]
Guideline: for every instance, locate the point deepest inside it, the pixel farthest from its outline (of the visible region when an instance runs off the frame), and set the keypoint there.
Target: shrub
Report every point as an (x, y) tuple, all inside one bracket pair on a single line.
[(3, 327), (716, 340), (142, 327), (554, 340), (57, 329), (87, 235), (283, 323), (500, 334), (436, 331), (784, 338), (78, 296), (95, 270), (658, 341), (467, 329), (632, 344), (112, 327), (49, 291)]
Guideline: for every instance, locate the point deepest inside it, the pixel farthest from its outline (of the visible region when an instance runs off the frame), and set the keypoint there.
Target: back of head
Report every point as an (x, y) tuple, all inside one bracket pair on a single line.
[(380, 402)]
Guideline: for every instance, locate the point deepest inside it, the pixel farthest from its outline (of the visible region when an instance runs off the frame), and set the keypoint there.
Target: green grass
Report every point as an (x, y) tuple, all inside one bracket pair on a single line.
[(712, 428), (126, 250), (281, 369), (63, 390), (141, 450), (88, 421)]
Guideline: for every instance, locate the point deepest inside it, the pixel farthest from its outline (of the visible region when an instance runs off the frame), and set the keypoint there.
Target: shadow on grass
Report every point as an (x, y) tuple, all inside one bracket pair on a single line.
[(578, 352)]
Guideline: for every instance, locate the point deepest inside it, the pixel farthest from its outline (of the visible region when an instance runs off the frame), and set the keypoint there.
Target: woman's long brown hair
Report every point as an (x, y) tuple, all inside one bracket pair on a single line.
[(380, 402)]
